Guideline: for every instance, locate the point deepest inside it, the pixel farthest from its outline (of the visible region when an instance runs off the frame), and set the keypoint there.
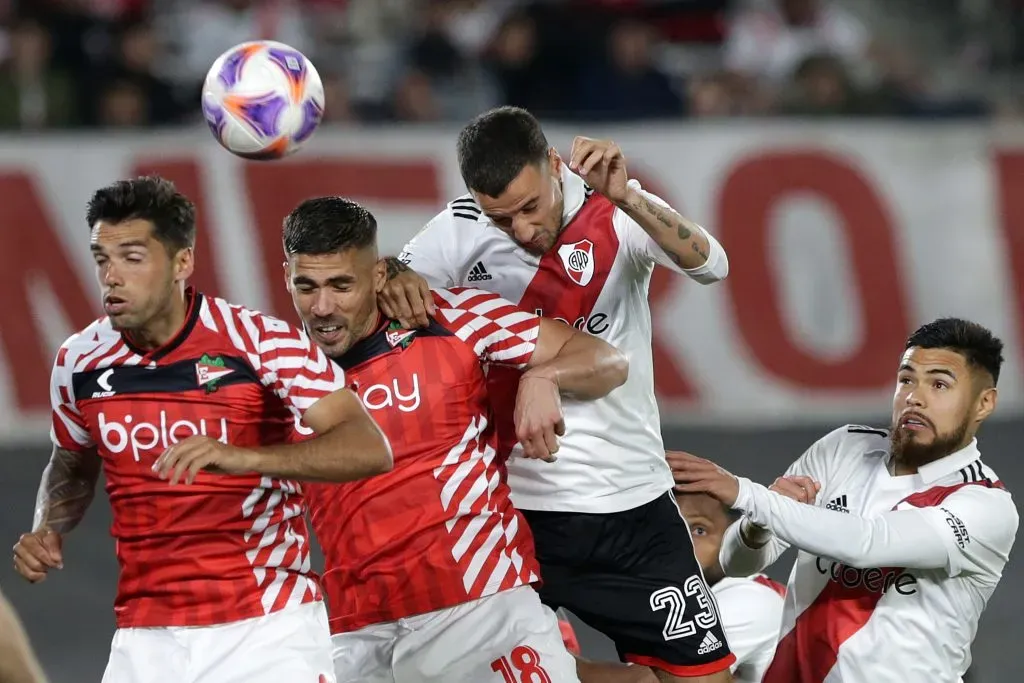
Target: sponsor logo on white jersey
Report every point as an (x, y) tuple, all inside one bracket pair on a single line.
[(578, 260), (596, 323), (379, 396), (875, 580), (146, 437)]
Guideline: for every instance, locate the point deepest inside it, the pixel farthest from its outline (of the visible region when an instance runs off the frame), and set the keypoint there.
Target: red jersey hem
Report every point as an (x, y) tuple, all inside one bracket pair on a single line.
[(681, 670), (173, 618)]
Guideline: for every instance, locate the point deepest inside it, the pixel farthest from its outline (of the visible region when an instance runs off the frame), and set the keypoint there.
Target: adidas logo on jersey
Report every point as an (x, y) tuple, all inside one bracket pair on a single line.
[(838, 504), (478, 273), (709, 644)]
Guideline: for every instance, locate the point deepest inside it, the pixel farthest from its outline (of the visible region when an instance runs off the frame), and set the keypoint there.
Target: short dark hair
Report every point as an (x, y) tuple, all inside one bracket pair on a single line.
[(149, 198), (327, 225), (495, 146), (982, 349)]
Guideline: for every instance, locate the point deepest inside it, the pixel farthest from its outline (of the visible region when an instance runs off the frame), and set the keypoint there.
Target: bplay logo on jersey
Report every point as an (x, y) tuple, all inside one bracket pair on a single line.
[(380, 396), (578, 260), (143, 437)]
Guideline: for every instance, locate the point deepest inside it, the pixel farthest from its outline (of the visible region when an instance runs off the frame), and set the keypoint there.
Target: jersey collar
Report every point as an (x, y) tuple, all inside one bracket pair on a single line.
[(943, 467), (574, 193)]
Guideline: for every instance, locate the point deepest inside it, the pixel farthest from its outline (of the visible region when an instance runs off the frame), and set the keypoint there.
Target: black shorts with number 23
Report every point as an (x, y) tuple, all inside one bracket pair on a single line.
[(632, 575)]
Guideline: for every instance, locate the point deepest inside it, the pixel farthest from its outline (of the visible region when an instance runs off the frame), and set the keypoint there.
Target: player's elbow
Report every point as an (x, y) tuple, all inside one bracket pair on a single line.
[(615, 368), (382, 459)]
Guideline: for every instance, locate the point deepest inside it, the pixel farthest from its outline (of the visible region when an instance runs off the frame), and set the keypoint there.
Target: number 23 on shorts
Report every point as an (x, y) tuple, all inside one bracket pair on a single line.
[(521, 666)]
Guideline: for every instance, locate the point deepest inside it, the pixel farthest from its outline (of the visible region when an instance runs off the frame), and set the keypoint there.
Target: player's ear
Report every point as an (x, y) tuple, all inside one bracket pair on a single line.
[(184, 264), (986, 403), (287, 275), (380, 275), (555, 161)]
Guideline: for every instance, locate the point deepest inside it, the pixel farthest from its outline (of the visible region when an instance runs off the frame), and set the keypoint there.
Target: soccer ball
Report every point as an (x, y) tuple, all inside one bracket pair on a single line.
[(263, 100)]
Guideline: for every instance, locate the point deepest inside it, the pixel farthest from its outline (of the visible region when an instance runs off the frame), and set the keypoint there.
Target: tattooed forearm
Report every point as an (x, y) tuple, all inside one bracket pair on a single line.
[(685, 244), (394, 266), (67, 489)]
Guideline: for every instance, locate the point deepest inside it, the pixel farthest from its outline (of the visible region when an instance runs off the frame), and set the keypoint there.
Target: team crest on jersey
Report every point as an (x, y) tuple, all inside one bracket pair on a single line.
[(578, 260), (209, 371), (397, 336)]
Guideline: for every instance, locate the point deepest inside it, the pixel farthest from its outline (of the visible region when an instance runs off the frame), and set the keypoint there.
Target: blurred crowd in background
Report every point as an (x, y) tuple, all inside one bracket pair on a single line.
[(126, 63)]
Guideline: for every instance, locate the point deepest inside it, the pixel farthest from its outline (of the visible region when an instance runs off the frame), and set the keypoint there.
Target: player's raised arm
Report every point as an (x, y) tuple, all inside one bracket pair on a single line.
[(667, 237), (558, 361), (581, 365), (972, 530), (748, 548), (68, 484), (423, 263)]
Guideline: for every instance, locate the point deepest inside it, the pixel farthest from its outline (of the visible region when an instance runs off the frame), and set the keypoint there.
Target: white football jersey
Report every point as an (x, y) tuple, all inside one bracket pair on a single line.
[(751, 612), (596, 278), (893, 571)]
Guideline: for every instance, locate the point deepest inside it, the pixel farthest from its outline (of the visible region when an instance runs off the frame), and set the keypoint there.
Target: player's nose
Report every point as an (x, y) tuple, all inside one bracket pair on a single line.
[(522, 230), (111, 277), (322, 305)]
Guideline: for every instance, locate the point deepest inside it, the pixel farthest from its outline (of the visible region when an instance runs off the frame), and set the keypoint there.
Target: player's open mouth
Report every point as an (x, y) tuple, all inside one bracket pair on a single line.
[(329, 333), (914, 422), (114, 305)]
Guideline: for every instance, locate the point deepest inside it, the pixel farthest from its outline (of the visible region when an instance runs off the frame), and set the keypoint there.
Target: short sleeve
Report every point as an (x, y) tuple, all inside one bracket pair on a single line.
[(498, 331), (68, 427), (427, 252), (284, 358), (978, 525)]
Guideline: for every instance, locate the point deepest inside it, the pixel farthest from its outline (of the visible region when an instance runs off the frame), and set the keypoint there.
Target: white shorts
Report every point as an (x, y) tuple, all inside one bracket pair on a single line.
[(291, 645), (510, 637)]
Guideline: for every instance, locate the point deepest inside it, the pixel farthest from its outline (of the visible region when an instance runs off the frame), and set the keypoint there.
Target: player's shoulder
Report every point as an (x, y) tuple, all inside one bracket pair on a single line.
[(748, 600), (457, 214), (94, 335), (456, 302), (227, 319), (851, 440), (747, 588), (462, 297)]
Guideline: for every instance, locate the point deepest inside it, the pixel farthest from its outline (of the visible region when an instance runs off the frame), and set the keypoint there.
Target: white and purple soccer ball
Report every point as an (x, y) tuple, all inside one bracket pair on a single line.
[(263, 100)]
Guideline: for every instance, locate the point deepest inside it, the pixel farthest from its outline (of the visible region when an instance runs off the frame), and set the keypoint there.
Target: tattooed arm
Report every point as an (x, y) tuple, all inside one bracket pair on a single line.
[(682, 240), (67, 488), (393, 267)]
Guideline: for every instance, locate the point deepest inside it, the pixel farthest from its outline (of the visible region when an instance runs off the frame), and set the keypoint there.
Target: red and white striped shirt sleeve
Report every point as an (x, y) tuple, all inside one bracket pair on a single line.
[(283, 356), (68, 428), (498, 331)]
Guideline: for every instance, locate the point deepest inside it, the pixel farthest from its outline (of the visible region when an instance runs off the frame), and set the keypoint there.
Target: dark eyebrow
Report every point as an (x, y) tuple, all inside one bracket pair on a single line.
[(906, 367), (123, 245), (333, 282)]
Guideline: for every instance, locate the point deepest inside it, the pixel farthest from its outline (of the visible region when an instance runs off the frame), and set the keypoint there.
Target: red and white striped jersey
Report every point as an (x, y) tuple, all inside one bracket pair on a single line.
[(439, 529), (893, 572), (225, 547)]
